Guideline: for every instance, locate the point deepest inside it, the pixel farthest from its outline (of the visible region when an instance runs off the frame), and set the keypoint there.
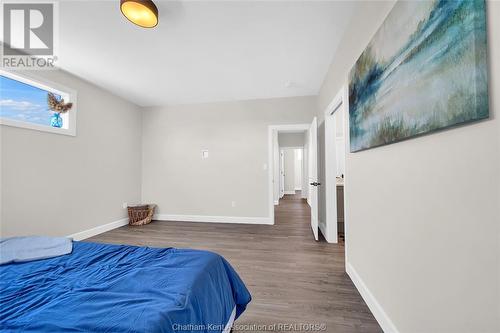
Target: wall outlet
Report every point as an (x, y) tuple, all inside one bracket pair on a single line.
[(233, 203), (124, 205)]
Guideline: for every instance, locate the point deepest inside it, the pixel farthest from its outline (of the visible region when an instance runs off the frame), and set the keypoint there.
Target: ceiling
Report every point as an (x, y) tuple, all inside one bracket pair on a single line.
[(204, 51)]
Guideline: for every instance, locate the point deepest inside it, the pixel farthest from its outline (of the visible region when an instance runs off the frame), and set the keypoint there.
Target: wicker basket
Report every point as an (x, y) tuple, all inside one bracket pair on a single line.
[(141, 214)]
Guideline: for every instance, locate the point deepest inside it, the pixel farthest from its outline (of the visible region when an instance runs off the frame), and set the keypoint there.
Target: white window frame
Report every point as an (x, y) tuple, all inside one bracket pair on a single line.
[(68, 94)]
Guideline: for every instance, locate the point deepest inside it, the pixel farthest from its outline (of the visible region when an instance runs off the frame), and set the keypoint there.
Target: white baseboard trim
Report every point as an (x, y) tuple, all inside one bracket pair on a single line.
[(98, 230), (213, 219), (378, 312), (298, 189), (276, 202), (289, 192)]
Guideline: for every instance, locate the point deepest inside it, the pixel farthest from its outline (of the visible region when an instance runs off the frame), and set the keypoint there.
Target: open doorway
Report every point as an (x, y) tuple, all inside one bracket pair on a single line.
[(338, 120), (291, 168), (293, 173), (335, 169)]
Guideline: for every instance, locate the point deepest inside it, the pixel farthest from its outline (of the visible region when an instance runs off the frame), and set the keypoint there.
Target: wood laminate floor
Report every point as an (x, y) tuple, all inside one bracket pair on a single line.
[(292, 278)]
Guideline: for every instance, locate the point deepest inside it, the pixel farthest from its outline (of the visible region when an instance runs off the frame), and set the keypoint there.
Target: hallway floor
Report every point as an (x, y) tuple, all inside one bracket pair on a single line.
[(292, 278)]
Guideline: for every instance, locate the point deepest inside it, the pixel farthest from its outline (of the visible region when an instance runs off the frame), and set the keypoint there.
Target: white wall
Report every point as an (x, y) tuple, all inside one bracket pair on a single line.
[(291, 139), (236, 135), (58, 185), (422, 216)]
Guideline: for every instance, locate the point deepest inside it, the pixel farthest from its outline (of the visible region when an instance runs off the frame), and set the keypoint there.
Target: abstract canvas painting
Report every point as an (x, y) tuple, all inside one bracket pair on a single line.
[(425, 69)]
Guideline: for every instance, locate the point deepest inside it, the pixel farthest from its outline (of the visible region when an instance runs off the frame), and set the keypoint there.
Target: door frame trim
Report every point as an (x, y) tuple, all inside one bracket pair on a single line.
[(273, 130)]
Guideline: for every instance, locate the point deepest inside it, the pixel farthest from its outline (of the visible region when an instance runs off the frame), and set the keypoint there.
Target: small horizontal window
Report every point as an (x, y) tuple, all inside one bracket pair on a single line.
[(36, 104)]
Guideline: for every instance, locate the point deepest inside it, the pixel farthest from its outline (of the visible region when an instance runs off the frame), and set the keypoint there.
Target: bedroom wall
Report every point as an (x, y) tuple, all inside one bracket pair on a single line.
[(236, 136), (291, 139), (60, 185), (423, 215)]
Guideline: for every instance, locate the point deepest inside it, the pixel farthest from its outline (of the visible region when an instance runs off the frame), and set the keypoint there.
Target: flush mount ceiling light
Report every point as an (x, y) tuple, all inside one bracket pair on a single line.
[(140, 12)]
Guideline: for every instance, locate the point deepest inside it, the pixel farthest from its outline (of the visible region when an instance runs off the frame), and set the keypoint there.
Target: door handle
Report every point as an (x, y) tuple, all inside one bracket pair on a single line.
[(315, 184)]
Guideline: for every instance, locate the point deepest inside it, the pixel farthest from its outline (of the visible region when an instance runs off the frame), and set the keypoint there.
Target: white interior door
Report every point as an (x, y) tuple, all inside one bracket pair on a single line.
[(330, 185), (282, 173), (313, 175)]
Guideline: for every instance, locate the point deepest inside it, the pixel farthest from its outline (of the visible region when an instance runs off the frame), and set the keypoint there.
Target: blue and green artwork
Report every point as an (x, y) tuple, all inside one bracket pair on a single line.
[(425, 69)]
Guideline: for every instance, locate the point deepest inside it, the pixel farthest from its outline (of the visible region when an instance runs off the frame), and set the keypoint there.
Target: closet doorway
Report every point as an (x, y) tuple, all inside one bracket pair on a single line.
[(335, 169)]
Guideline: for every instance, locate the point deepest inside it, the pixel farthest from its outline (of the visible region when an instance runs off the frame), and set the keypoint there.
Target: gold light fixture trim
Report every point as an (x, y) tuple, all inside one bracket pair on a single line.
[(143, 13)]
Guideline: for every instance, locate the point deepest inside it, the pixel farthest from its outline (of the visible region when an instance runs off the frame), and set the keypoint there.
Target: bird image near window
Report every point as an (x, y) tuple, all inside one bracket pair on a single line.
[(29, 104)]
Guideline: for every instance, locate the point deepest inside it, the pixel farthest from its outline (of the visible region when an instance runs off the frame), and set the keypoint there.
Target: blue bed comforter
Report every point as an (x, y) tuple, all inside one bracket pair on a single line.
[(117, 288)]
